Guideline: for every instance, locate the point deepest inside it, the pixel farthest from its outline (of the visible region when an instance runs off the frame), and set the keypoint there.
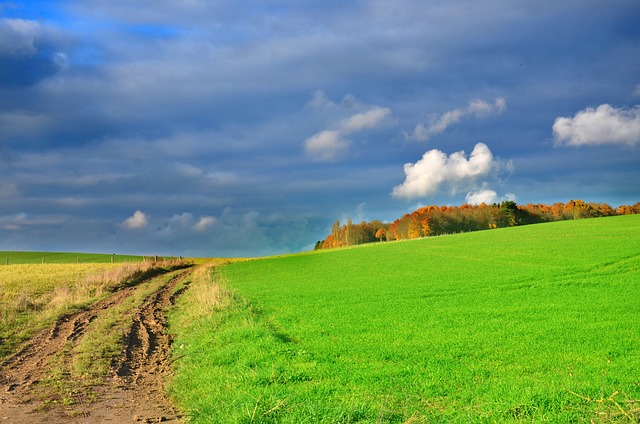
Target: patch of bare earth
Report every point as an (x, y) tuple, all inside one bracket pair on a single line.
[(134, 390)]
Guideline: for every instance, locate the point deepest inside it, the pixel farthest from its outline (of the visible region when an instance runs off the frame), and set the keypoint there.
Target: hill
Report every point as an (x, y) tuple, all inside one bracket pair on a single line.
[(19, 257), (429, 221), (532, 323)]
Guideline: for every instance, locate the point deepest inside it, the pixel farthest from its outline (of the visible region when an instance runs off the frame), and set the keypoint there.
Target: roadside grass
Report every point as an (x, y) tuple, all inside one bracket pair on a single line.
[(537, 323)]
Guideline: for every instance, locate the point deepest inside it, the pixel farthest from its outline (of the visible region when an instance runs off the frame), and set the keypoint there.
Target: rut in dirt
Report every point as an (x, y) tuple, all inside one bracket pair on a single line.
[(147, 344), (29, 366), (134, 390)]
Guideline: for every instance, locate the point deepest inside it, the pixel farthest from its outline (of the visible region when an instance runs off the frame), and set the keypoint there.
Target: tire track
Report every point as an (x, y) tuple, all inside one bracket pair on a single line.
[(133, 392), (26, 368)]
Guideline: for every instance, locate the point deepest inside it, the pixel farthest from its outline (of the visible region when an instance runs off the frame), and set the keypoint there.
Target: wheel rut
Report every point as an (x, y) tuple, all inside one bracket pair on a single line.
[(133, 392)]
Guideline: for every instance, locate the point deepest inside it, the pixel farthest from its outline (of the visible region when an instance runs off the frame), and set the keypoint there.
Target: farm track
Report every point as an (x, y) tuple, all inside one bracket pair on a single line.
[(133, 392)]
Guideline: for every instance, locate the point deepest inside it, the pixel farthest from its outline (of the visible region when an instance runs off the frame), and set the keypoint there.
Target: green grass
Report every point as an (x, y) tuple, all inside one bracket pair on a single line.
[(11, 257), (538, 323)]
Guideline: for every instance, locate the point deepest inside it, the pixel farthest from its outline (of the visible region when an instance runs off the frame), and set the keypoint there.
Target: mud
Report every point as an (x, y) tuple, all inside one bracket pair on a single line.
[(133, 392)]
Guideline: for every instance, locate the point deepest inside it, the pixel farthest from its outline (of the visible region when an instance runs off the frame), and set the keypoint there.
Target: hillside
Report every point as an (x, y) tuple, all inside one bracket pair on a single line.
[(429, 221), (533, 323), (13, 257)]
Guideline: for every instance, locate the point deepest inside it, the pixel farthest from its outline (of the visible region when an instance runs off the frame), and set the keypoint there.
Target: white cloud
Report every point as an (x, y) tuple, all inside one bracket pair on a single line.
[(602, 125), (204, 223), (364, 120), (436, 169), (486, 196), (136, 221), (439, 123), (325, 146), (330, 144), (510, 196)]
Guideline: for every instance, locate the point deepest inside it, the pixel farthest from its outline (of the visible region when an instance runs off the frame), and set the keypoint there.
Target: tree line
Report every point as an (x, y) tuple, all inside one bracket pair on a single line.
[(438, 220)]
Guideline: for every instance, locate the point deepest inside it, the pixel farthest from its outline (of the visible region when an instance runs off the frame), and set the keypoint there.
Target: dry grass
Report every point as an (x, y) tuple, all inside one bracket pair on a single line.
[(207, 294), (33, 296)]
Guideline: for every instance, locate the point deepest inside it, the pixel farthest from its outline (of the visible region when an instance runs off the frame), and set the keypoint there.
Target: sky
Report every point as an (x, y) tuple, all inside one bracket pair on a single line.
[(246, 128)]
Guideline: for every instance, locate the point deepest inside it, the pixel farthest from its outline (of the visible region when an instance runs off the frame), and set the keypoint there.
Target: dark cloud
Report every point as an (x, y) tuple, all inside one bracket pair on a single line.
[(243, 129)]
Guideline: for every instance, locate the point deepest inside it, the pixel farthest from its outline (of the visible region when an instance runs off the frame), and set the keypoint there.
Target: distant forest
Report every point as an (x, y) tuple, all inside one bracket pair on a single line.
[(438, 220)]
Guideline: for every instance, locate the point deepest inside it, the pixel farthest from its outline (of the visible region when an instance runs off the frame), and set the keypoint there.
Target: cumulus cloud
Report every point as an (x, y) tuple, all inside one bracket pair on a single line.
[(325, 146), (331, 144), (602, 125), (436, 169), (476, 108), (487, 196), (136, 221), (204, 223)]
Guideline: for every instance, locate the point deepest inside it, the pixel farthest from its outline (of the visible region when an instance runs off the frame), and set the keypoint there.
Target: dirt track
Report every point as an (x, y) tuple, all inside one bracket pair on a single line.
[(133, 392)]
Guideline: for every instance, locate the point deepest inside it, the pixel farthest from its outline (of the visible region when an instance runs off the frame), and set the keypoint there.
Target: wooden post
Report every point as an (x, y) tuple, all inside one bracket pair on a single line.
[(78, 260), (43, 259)]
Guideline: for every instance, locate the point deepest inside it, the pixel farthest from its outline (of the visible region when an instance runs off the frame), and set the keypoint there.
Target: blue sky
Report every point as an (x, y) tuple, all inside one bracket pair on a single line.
[(240, 128)]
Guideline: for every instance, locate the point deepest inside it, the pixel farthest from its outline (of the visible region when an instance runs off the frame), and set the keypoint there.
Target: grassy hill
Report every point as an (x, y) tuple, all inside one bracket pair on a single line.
[(535, 323), (11, 257)]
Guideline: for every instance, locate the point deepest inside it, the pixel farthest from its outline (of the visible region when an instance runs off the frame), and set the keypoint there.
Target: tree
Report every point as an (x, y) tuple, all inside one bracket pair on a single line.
[(509, 210), (437, 220), (335, 231)]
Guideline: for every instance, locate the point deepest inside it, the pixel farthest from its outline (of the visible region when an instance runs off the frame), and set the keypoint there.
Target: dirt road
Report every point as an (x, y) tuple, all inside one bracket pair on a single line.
[(133, 392)]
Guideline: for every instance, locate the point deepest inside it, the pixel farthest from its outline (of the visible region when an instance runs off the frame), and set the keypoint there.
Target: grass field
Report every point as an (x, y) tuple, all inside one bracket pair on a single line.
[(538, 323), (11, 258)]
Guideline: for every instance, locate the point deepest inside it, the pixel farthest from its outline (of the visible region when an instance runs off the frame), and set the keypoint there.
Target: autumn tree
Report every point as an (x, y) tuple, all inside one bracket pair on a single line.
[(335, 232), (436, 220)]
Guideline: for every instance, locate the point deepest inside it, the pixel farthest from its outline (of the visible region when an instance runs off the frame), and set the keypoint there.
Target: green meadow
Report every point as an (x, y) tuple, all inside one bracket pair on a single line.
[(13, 258), (538, 323)]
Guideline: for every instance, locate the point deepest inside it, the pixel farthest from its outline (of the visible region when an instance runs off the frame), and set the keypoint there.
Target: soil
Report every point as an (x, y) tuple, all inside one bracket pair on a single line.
[(133, 392)]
